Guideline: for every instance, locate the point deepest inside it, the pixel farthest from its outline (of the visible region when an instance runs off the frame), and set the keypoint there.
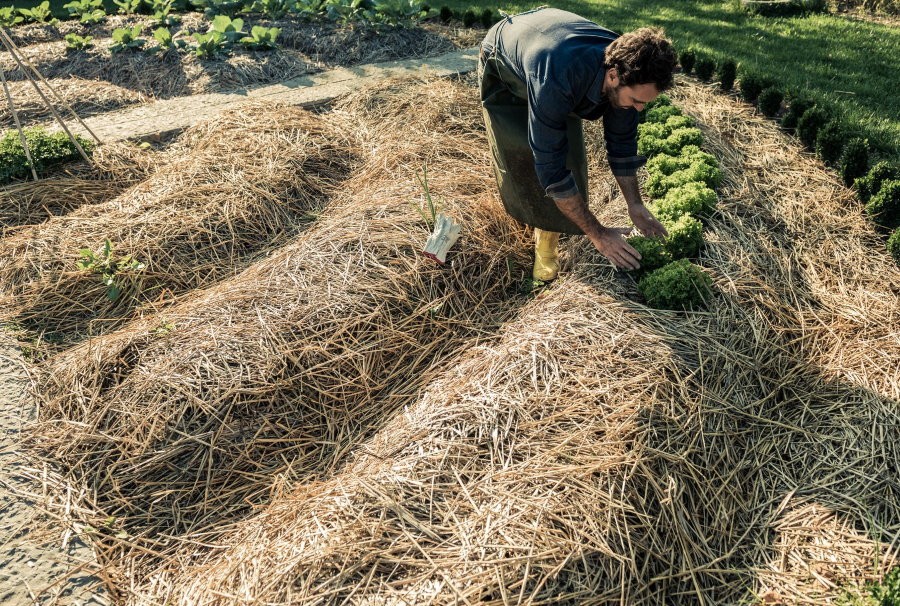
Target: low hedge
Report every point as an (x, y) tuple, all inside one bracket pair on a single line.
[(47, 151)]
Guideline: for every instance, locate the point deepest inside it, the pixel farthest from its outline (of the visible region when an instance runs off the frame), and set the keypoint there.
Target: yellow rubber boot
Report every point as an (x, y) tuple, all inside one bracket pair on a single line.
[(546, 255)]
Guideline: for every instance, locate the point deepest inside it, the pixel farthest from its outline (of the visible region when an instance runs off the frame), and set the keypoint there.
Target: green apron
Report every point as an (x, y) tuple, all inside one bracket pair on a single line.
[(505, 107)]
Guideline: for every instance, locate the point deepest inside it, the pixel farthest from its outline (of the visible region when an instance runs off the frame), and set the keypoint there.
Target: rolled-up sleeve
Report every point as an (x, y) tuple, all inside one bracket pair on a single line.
[(548, 106), (620, 131)]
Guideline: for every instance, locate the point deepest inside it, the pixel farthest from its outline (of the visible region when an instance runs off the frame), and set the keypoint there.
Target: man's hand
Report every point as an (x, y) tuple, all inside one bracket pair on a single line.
[(611, 243), (646, 223)]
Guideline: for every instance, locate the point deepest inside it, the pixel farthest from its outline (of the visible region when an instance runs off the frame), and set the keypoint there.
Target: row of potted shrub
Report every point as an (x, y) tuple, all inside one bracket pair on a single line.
[(681, 182), (821, 131)]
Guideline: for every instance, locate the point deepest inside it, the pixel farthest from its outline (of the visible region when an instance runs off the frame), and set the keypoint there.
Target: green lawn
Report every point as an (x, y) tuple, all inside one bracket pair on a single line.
[(852, 64)]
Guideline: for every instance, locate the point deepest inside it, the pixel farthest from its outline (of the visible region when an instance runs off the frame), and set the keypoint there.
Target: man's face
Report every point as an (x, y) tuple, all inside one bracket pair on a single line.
[(636, 96)]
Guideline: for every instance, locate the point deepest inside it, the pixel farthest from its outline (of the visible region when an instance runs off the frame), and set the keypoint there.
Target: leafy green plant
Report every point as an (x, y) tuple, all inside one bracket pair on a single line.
[(769, 101), (397, 12), (727, 74), (854, 162), (346, 11), (685, 237), (687, 59), (110, 267), (469, 18), (128, 7), (893, 245), (653, 251), (228, 8), (9, 16), (261, 37), (165, 41), (796, 109), (679, 285), (830, 142), (47, 150), (488, 18), (884, 207), (693, 198), (809, 124), (667, 138), (310, 10), (89, 11), (76, 42), (210, 44), (39, 14), (274, 9), (661, 113), (869, 185), (162, 12), (704, 68), (751, 84), (126, 38), (231, 29), (883, 593)]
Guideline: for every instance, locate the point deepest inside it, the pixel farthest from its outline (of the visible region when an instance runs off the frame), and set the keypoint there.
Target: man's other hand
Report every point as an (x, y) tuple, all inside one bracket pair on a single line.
[(612, 245), (646, 223)]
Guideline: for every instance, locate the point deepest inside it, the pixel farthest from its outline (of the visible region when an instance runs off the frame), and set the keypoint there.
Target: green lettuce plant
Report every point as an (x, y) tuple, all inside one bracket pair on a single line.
[(261, 38), (694, 199), (9, 16), (47, 150), (89, 11), (39, 14), (125, 38), (659, 184), (679, 285), (76, 42), (685, 237), (653, 251)]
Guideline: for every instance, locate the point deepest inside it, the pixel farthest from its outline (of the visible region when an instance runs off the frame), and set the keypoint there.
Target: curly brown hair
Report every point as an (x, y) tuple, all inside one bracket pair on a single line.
[(643, 56)]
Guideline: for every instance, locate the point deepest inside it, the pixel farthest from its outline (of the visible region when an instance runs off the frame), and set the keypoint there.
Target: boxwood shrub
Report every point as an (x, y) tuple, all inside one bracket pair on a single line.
[(884, 207), (727, 74), (687, 58), (893, 245), (704, 68), (47, 150), (868, 186), (809, 124), (769, 101), (751, 85), (854, 162), (679, 285), (797, 108), (469, 18), (830, 142)]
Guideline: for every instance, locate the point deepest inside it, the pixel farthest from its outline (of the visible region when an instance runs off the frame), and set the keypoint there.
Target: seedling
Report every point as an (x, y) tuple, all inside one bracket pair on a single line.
[(166, 42), (431, 207), (398, 12), (110, 267), (90, 11), (261, 38), (76, 42), (128, 7), (345, 11), (126, 38), (310, 10), (222, 7), (9, 16), (39, 14)]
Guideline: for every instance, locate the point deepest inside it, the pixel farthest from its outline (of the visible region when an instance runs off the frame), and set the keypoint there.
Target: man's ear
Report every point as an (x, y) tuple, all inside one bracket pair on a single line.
[(613, 75)]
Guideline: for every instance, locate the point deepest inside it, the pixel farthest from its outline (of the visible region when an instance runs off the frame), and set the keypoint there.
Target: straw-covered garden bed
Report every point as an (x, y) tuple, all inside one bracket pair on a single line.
[(345, 421)]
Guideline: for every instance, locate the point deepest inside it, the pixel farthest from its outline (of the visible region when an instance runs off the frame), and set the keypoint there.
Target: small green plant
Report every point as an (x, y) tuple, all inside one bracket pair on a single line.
[(796, 109), (854, 162), (469, 18), (89, 11), (446, 14), (884, 207), (125, 38), (76, 42), (110, 267), (228, 8), (769, 101), (653, 251), (685, 237), (809, 124), (693, 199), (231, 29), (261, 38), (310, 10), (162, 12), (868, 186), (346, 11), (128, 7), (39, 14), (47, 150), (893, 245), (398, 12), (9, 16), (686, 59), (830, 142), (210, 44), (661, 113), (431, 207), (679, 285), (883, 593), (165, 41), (274, 9), (727, 74), (488, 18), (704, 68), (751, 85)]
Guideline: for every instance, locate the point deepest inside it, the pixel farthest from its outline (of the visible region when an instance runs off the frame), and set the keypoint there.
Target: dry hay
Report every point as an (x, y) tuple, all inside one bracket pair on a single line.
[(114, 167), (276, 374), (593, 451), (244, 182), (86, 97)]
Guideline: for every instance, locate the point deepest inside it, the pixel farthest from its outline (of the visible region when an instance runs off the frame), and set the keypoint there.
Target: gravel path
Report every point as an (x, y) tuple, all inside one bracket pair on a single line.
[(34, 566)]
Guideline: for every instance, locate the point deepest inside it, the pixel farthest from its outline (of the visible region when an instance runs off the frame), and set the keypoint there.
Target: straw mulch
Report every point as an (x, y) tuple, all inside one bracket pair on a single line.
[(242, 183), (277, 374), (113, 168)]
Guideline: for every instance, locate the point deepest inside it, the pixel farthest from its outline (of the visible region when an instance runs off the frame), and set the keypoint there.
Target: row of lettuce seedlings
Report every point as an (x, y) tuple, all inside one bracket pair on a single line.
[(681, 184), (821, 131)]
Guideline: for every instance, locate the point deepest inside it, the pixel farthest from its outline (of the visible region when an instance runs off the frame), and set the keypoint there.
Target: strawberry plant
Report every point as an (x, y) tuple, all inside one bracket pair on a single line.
[(76, 42), (126, 38), (109, 267), (679, 285), (9, 16), (89, 11), (39, 14), (261, 37)]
